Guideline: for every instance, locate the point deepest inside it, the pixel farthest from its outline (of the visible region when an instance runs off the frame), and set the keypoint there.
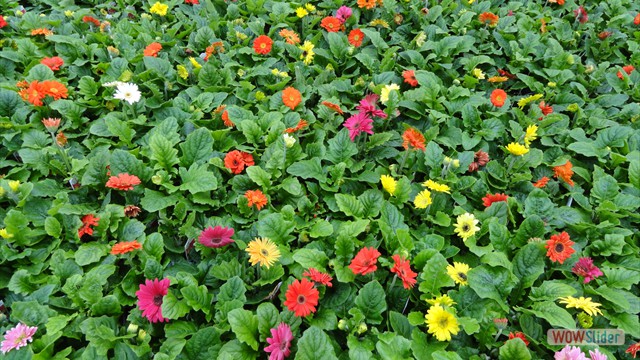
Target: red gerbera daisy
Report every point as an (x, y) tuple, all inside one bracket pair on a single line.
[(410, 77), (356, 36), (302, 298), (541, 183), (215, 237), (237, 160), (334, 107), (52, 63), (318, 277), (490, 199), (124, 182), (519, 335), (91, 19), (633, 349), (546, 109), (124, 247), (365, 261), (150, 298), (255, 197), (262, 45), (564, 172), (627, 69), (559, 247), (87, 222), (3, 22), (585, 268), (402, 268), (498, 97), (636, 20)]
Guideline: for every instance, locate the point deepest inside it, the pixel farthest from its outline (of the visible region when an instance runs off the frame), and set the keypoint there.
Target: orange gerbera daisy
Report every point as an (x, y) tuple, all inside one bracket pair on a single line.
[(498, 97), (88, 221), (123, 182), (237, 160), (497, 79), (301, 125), (124, 247), (256, 197), (54, 89), (369, 4), (410, 77), (152, 49), (489, 18), (331, 24), (356, 36), (559, 247), (31, 92), (413, 138), (559, 2), (41, 31), (541, 183), (52, 63), (226, 120), (262, 45), (564, 172), (334, 107), (290, 36), (291, 97)]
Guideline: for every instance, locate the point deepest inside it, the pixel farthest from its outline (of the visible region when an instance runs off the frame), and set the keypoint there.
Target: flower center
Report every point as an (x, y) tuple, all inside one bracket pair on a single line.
[(466, 227), (301, 299), (263, 46), (264, 252), (157, 300), (127, 94), (559, 248), (462, 276), (444, 322)]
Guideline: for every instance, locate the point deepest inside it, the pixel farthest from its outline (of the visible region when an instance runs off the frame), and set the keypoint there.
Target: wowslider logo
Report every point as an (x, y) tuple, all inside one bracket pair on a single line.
[(585, 337)]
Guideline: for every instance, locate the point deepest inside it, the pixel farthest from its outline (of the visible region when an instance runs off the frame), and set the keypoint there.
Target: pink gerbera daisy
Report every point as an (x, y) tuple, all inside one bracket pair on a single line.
[(279, 342), (358, 123), (150, 298), (368, 106), (570, 353), (585, 268), (216, 237), (17, 337), (597, 355)]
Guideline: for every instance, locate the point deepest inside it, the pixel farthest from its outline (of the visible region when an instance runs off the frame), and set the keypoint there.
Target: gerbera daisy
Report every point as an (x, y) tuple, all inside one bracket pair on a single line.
[(530, 134), (334, 107), (442, 300), (458, 272), (3, 232), (128, 92), (409, 77), (633, 348), (498, 97), (636, 21), (159, 8), (559, 2), (131, 211), (262, 45), (215, 237), (581, 14), (569, 353), (441, 323), (413, 138), (490, 199), (435, 186), (585, 268), (497, 79), (17, 337), (517, 149), (61, 139), (54, 89), (87, 222), (520, 335), (237, 160), (423, 199), (279, 342), (368, 4), (51, 124), (389, 184), (559, 247), (466, 226), (124, 182), (150, 298), (365, 261), (307, 52), (192, 2), (582, 303), (255, 197), (124, 247), (302, 297), (331, 24), (225, 119), (564, 172), (41, 31), (290, 36), (527, 100), (368, 106), (31, 92), (3, 22), (344, 13), (152, 49), (597, 355), (478, 74), (356, 36), (301, 125), (318, 277), (402, 268), (489, 18), (480, 158), (53, 63), (541, 183), (262, 251), (291, 97), (386, 91), (546, 109), (359, 123)]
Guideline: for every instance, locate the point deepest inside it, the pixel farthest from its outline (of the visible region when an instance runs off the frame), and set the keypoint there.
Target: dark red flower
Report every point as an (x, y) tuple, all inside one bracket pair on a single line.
[(237, 160), (604, 34), (480, 158), (546, 109), (581, 15)]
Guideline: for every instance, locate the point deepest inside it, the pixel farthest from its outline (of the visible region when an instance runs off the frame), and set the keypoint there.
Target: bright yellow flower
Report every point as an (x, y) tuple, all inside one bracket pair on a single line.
[(388, 183), (262, 251), (458, 272), (422, 200), (195, 63), (466, 226), (69, 13), (478, 74), (159, 9), (386, 90), (442, 300), (441, 323), (301, 12), (310, 7), (307, 52), (582, 303), (530, 135), (379, 22), (14, 185), (5, 234), (517, 149), (182, 71), (525, 101), (437, 186)]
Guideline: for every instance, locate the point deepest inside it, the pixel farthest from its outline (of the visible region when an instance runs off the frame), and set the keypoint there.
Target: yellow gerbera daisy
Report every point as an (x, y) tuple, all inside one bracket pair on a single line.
[(466, 226), (301, 12), (442, 300), (386, 90), (379, 22), (478, 74), (310, 7), (182, 71), (422, 200), (307, 52), (388, 183), (458, 272), (441, 323), (517, 149), (582, 303), (437, 186), (263, 251), (195, 63), (159, 9), (525, 101), (530, 134), (14, 185)]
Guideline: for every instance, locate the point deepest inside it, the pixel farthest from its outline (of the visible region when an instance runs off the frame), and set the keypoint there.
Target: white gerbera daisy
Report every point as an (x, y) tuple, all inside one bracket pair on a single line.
[(128, 92)]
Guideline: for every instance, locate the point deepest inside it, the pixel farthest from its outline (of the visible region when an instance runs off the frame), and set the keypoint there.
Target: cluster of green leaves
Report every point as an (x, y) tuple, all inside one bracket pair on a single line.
[(325, 197)]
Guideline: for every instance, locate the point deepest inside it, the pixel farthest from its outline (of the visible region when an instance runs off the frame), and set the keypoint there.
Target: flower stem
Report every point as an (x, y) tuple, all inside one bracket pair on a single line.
[(404, 159), (498, 334)]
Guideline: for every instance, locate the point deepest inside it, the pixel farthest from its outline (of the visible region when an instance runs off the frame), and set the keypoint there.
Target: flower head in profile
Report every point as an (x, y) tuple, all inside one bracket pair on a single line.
[(290, 36), (237, 160), (124, 182), (152, 49), (527, 100), (441, 323), (480, 158), (255, 197), (498, 97), (633, 349), (359, 123), (581, 14), (435, 186), (489, 199), (216, 237), (546, 109), (51, 124), (124, 247), (541, 183), (291, 97), (423, 199), (627, 70), (262, 251), (519, 335), (344, 13), (413, 138), (516, 149), (409, 77), (466, 226), (597, 355), (128, 92), (585, 268), (88, 221), (389, 184), (564, 172), (458, 272), (369, 107), (530, 134), (356, 36), (318, 277), (582, 303), (559, 247), (489, 18), (262, 45), (569, 353), (5, 234), (442, 300), (53, 63), (302, 298), (150, 298), (402, 268), (386, 91), (365, 261), (159, 9), (17, 337), (279, 342)]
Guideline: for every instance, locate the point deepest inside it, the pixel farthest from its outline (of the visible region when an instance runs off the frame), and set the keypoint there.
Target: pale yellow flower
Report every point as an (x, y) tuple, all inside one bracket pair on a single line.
[(5, 234), (310, 7), (386, 90), (478, 74), (423, 199), (525, 101), (430, 184), (14, 185), (69, 13), (442, 300)]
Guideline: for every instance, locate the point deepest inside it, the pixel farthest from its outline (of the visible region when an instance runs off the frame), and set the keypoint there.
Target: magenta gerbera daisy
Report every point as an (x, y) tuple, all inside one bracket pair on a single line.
[(358, 123), (150, 298), (17, 337), (585, 268), (216, 237), (279, 342)]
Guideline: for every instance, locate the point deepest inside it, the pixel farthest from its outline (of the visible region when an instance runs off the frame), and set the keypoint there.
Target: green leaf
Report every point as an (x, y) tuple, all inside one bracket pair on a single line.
[(528, 264), (311, 258), (315, 345), (360, 348), (90, 253), (321, 228), (124, 162), (341, 148), (30, 312), (531, 227), (52, 227), (204, 344), (259, 176), (400, 324), (627, 322), (233, 289), (235, 350), (393, 347), (492, 283), (268, 318), (276, 228), (375, 38), (197, 179), (197, 148), (160, 66), (108, 305), (621, 278), (162, 152), (514, 349), (154, 201), (551, 290), (555, 315), (612, 244), (308, 169), (434, 275), (604, 186), (244, 325), (172, 308), (371, 201), (22, 283), (197, 297), (349, 205), (371, 300)]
